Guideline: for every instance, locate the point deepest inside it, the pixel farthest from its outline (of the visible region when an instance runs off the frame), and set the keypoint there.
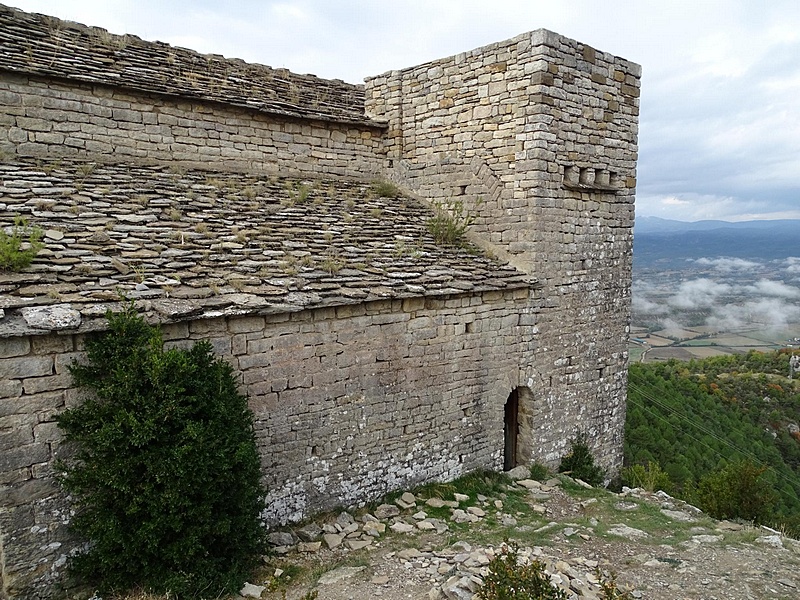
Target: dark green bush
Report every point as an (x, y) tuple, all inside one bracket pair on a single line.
[(507, 579), (165, 477), (579, 462), (539, 472), (737, 491)]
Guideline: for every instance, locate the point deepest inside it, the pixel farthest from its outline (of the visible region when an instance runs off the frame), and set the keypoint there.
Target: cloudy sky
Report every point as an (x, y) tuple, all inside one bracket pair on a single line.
[(720, 108)]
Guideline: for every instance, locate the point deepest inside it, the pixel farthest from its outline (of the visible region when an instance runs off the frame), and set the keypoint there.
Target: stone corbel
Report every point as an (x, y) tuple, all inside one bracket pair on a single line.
[(589, 179)]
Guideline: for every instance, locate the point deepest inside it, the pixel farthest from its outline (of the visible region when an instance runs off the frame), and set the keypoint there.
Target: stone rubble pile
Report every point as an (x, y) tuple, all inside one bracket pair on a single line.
[(456, 572)]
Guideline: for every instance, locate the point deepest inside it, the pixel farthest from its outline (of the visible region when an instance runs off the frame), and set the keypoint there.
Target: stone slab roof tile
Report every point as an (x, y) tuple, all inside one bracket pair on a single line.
[(190, 243), (46, 46)]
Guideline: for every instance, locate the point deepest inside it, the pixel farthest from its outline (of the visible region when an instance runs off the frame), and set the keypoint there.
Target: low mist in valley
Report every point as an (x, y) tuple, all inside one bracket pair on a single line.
[(743, 296)]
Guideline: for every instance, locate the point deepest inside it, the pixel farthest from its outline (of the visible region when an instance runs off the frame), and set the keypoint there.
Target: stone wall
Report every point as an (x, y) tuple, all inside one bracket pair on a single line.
[(536, 136), (49, 118), (350, 403)]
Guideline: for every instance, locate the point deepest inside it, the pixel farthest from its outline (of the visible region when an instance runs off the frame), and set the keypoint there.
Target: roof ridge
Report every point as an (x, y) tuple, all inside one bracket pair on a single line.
[(41, 45)]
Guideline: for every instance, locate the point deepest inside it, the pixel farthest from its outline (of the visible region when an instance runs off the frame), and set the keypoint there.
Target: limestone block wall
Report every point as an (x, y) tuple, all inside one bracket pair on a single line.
[(48, 118), (537, 137), (350, 402)]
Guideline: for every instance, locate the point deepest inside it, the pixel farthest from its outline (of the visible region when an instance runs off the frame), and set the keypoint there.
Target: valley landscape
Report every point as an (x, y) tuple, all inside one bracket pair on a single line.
[(713, 288)]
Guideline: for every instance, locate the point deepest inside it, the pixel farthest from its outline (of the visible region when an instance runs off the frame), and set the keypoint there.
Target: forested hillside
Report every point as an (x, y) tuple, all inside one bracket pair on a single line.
[(723, 430)]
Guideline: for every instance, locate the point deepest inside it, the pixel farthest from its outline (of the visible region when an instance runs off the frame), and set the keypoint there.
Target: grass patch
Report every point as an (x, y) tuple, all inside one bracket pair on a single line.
[(18, 248), (384, 189), (539, 472)]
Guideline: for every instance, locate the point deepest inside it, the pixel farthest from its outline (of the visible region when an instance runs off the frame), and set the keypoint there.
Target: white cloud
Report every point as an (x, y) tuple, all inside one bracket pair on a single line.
[(673, 201), (765, 287), (641, 305), (698, 293), (768, 303), (727, 264), (767, 216), (771, 312), (793, 264)]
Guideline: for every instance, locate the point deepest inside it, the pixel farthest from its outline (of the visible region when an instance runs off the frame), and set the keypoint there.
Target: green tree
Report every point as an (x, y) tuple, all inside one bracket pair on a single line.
[(165, 476), (736, 491), (579, 462)]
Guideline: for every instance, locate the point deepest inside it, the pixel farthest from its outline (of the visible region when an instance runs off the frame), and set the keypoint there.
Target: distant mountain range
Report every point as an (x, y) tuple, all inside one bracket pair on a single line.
[(667, 243), (659, 225)]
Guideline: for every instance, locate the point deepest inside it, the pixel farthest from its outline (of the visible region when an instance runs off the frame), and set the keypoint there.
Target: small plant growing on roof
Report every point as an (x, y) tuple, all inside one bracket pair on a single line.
[(86, 169), (19, 246), (165, 478), (384, 189), (333, 263), (298, 193), (450, 223)]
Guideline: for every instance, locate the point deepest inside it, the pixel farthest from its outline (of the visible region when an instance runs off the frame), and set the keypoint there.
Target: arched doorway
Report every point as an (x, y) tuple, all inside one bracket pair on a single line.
[(511, 431)]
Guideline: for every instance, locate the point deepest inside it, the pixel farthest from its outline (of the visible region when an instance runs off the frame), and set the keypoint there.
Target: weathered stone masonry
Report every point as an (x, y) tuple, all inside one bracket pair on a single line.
[(232, 203), (537, 135), (51, 119), (349, 402)]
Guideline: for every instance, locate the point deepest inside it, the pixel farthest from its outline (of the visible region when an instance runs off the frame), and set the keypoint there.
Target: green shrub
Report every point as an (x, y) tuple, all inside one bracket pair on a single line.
[(539, 472), (579, 462), (18, 248), (165, 477), (736, 491), (450, 222), (650, 477), (507, 579)]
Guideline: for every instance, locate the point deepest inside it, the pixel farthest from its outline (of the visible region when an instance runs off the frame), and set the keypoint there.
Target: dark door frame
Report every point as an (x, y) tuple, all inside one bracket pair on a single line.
[(510, 431)]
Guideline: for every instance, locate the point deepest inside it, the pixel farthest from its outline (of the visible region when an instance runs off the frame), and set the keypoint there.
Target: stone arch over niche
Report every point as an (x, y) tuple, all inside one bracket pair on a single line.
[(518, 424)]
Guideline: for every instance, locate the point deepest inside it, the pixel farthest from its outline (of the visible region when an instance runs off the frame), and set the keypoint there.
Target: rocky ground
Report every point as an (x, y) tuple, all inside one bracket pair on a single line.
[(436, 544)]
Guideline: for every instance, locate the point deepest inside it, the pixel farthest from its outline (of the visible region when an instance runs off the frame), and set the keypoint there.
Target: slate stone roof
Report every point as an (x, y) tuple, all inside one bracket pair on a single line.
[(45, 46), (213, 243)]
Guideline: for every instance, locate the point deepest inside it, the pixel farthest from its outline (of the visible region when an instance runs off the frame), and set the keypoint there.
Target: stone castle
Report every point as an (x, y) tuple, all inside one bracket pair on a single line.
[(237, 203)]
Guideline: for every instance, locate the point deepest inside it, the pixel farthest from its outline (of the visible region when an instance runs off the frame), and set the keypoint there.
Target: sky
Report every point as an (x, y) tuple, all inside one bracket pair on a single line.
[(719, 134)]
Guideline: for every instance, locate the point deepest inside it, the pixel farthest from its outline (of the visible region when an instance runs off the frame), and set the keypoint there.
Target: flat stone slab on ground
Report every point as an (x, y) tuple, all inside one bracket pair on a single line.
[(678, 515), (357, 544), (385, 511), (332, 540), (339, 574), (520, 472), (252, 591), (401, 527), (529, 484), (623, 530)]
